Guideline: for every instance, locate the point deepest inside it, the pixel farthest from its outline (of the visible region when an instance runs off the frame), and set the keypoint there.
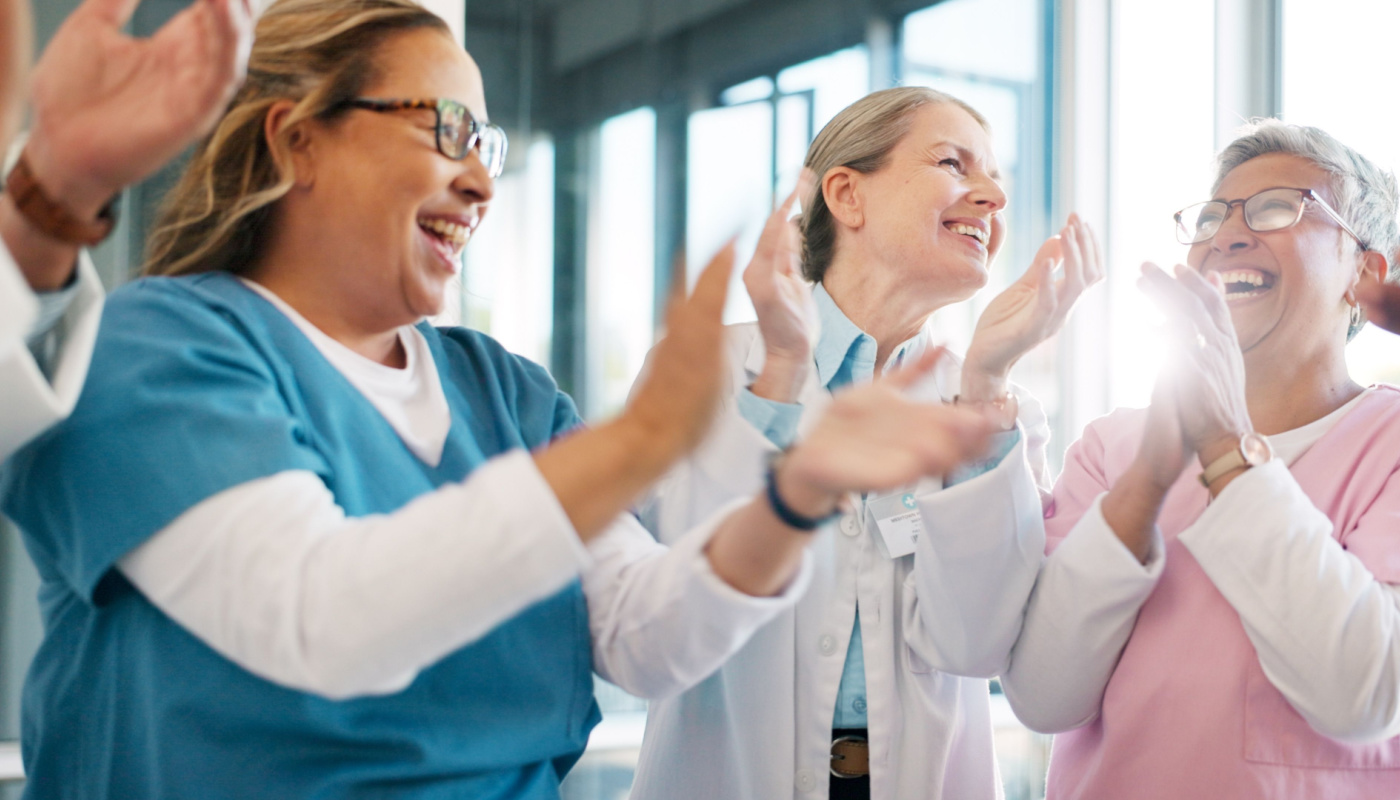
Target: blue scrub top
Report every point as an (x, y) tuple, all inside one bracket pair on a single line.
[(199, 385)]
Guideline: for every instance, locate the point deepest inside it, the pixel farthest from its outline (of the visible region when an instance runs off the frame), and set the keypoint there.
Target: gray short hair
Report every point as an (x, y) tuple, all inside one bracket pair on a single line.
[(1362, 193), (861, 138)]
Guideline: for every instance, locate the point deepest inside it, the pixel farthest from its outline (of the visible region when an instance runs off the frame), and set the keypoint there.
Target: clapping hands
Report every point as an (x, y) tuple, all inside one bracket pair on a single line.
[(1032, 309)]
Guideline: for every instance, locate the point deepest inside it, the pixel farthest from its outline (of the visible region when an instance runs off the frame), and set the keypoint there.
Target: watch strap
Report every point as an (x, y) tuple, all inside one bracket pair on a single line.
[(1222, 466), (52, 217), (784, 512)]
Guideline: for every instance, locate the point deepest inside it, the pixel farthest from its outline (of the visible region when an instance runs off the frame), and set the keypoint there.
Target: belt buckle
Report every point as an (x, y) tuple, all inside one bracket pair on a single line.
[(855, 741)]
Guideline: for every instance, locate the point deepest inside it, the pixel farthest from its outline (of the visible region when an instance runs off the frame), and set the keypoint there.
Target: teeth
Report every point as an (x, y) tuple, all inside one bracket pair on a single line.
[(455, 235), (969, 230), (1242, 276)]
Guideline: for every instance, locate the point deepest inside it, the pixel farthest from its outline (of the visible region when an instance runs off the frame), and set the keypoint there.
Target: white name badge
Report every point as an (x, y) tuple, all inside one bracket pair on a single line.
[(897, 518)]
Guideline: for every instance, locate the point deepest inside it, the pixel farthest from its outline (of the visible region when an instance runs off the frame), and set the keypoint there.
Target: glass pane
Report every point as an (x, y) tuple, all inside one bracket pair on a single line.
[(508, 278), (835, 80), (760, 88), (621, 260), (992, 38), (1330, 69), (729, 189), (1158, 168), (794, 135)]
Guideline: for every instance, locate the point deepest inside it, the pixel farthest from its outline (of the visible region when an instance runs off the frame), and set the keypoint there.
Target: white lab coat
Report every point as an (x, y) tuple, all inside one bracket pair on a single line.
[(760, 728), (29, 402)]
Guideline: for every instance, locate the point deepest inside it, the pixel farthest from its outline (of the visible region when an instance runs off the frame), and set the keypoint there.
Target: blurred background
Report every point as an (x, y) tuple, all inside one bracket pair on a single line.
[(645, 133)]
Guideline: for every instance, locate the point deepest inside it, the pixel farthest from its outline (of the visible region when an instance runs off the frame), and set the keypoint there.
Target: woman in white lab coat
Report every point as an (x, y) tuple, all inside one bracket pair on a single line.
[(857, 692), (50, 296)]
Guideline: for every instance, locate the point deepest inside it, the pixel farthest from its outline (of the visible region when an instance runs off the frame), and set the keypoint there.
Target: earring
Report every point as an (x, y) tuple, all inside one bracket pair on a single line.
[(1350, 297)]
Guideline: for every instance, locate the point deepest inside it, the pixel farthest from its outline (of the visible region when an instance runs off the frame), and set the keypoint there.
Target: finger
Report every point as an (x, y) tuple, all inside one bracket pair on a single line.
[(912, 372), (116, 13), (1050, 251), (1169, 295), (806, 186), (1099, 270), (1073, 282), (712, 287), (1211, 293), (950, 436)]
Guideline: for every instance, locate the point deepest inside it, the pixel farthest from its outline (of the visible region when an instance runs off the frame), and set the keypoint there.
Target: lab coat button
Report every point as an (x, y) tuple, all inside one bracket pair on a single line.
[(827, 644), (850, 525), (805, 782)]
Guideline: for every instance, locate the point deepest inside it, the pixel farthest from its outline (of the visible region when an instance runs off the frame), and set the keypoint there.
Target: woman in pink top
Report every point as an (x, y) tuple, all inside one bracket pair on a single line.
[(1241, 639)]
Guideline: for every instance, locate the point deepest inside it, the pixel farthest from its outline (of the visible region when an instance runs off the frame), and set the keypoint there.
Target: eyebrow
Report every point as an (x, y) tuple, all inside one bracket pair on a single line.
[(967, 155)]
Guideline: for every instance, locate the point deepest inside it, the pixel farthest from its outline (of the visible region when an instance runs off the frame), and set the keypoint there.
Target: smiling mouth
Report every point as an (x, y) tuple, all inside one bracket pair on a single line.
[(971, 231), (1241, 284), (453, 235)]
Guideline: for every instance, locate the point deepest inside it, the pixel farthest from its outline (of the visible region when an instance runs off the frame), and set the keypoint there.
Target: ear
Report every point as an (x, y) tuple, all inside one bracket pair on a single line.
[(1371, 263), (290, 143), (841, 188)]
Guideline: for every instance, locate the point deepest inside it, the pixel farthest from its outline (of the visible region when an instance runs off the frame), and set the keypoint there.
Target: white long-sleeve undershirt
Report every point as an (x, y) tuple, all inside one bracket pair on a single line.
[(1327, 633)]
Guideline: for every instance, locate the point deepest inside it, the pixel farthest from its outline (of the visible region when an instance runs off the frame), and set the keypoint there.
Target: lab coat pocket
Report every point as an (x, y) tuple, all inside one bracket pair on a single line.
[(1275, 733)]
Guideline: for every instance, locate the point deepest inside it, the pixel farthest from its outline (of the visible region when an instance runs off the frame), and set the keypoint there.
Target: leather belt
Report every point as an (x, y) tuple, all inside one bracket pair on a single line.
[(850, 757)]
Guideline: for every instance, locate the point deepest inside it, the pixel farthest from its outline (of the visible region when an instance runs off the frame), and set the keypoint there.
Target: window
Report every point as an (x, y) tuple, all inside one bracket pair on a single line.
[(508, 274), (1332, 67), (621, 268)]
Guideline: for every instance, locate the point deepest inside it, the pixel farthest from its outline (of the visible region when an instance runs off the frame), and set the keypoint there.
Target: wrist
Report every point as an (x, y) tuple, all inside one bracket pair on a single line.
[(1216, 446), (46, 263), (797, 492), (782, 378), (983, 384), (79, 195)]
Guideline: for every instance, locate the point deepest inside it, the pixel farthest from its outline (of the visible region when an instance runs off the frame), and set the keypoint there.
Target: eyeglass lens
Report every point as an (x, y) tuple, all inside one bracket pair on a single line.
[(1270, 210), (459, 133)]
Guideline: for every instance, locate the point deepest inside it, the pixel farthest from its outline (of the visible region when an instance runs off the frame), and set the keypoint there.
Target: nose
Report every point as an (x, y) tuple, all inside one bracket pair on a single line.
[(988, 194), (1234, 236), (473, 183)]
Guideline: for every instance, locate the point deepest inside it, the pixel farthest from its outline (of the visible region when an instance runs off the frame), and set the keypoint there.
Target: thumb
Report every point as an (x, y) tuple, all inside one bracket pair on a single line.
[(712, 287)]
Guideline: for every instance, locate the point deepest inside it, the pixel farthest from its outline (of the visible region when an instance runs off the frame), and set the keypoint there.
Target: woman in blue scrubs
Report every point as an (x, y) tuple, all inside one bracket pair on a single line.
[(295, 542)]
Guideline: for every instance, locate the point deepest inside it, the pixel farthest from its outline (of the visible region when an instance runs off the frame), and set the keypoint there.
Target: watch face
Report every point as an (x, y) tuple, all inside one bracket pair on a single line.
[(1255, 449)]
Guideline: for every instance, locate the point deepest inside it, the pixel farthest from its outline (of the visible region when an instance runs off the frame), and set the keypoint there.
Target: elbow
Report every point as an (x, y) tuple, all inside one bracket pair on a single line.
[(1046, 717)]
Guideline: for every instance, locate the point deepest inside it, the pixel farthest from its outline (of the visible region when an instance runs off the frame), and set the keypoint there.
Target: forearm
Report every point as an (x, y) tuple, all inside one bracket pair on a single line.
[(663, 618), (1131, 508), (1079, 618), (598, 473), (974, 568), (1326, 631), (272, 575)]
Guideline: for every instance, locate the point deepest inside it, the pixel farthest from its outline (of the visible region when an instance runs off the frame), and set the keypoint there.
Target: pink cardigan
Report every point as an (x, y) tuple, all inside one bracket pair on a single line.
[(1188, 712)]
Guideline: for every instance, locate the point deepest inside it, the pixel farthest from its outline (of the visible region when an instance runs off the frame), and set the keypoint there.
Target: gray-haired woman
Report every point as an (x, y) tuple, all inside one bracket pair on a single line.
[(855, 692), (1233, 629)]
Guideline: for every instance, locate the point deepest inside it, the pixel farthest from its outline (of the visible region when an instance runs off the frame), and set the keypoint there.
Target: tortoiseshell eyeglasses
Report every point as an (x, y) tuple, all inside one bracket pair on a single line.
[(458, 132)]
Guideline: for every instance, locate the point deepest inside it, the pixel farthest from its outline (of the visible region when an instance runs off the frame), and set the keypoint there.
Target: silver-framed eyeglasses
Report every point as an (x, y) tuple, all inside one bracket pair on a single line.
[(1269, 210), (458, 132)]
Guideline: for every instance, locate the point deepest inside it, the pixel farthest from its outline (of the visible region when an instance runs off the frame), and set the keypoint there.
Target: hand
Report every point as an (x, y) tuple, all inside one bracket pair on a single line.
[(110, 109), (875, 437), (675, 399), (1381, 302), (1210, 381), (1164, 452), (783, 300), (1032, 309)]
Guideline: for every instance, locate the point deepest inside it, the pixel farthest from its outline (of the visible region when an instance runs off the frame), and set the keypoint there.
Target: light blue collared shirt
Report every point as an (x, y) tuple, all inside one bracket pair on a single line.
[(844, 355)]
